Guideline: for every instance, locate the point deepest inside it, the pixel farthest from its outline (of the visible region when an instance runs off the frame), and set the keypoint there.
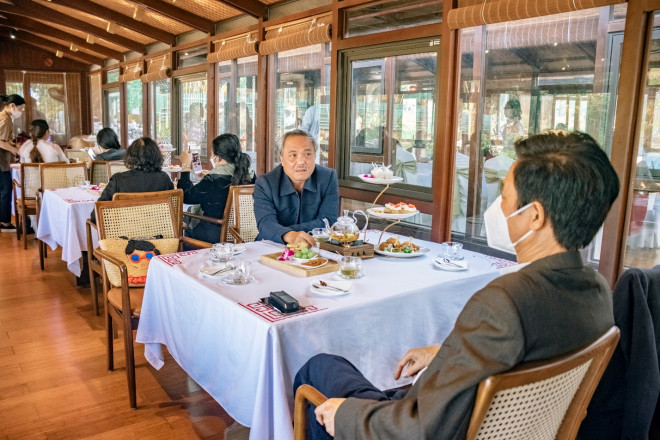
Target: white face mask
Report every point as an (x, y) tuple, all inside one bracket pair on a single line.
[(497, 227), (16, 113)]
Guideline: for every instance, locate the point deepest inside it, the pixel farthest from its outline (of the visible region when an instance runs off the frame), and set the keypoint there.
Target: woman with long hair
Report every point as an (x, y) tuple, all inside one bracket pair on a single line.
[(230, 167), (144, 162), (38, 149), (109, 148), (14, 105)]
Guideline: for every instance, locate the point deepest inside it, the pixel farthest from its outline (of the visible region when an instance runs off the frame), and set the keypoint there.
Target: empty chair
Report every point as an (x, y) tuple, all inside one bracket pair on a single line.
[(62, 175), (116, 167), (98, 172), (26, 203), (77, 155)]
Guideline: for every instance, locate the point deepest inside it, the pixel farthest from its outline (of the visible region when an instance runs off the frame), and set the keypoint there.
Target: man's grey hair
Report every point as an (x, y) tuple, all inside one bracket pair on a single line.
[(297, 132)]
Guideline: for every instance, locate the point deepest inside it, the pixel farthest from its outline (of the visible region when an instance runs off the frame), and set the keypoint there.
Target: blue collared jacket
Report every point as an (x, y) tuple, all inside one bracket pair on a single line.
[(279, 208)]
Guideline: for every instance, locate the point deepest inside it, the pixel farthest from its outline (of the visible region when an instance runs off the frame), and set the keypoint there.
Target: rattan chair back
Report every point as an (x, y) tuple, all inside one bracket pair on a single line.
[(115, 166), (98, 172), (30, 180), (77, 155), (541, 400), (175, 195), (242, 224), (137, 218), (62, 175)]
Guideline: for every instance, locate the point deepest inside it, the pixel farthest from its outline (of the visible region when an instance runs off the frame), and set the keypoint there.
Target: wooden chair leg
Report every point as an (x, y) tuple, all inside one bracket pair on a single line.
[(42, 251), (23, 229), (18, 228), (92, 282), (110, 338), (130, 366)]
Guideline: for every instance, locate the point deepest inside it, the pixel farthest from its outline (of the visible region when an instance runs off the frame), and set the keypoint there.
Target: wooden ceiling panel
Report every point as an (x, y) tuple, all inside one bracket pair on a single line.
[(68, 44), (150, 18), (213, 10), (97, 22), (82, 34)]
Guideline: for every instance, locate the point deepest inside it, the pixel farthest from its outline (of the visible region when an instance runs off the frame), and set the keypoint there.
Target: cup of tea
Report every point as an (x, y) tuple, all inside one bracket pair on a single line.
[(321, 234), (241, 271), (222, 251), (452, 250), (350, 267)]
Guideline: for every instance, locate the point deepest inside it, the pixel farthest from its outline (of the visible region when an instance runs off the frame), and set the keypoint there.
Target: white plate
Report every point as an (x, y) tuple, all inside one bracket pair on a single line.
[(175, 169), (300, 263), (302, 260), (464, 265), (394, 179), (229, 281), (375, 212), (421, 251), (239, 250), (208, 271), (323, 291)]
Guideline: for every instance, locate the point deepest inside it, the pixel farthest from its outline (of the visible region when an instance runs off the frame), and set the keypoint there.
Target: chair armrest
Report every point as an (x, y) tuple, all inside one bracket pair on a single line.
[(197, 244), (236, 233), (304, 394), (204, 218), (102, 255)]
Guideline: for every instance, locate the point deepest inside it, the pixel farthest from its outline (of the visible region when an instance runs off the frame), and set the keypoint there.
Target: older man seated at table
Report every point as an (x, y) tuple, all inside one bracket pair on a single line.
[(297, 195), (551, 306)]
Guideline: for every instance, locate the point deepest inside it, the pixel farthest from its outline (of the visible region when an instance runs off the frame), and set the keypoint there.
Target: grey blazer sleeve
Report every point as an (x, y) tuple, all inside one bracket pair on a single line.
[(487, 339)]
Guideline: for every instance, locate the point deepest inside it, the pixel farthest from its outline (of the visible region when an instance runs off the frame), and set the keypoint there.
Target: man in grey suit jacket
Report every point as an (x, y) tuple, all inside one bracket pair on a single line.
[(554, 199)]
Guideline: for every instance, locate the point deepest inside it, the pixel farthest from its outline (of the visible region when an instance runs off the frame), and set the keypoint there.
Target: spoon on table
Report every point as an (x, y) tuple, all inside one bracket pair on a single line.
[(323, 285), (451, 263)]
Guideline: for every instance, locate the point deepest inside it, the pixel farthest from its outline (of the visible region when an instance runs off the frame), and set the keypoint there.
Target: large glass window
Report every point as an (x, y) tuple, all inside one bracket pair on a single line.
[(301, 96), (643, 240), (95, 97), (113, 76), (112, 113), (237, 102), (191, 57), (191, 106), (134, 106), (161, 112), (520, 78)]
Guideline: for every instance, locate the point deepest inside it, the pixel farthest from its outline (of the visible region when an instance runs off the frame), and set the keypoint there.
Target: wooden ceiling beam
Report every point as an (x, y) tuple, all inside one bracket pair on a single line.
[(116, 17), (33, 40), (175, 13), (254, 8), (39, 28), (26, 8)]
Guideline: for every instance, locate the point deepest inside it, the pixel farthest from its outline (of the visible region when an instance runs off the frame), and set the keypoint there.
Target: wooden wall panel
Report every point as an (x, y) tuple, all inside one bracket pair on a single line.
[(14, 55)]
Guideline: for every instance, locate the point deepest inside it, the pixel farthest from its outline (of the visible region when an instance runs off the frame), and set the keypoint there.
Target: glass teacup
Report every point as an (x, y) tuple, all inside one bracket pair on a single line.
[(222, 251), (321, 234), (241, 271), (452, 250), (350, 267)]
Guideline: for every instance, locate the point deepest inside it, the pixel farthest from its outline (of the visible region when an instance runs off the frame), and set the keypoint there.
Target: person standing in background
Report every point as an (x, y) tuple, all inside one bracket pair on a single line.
[(13, 109), (513, 128)]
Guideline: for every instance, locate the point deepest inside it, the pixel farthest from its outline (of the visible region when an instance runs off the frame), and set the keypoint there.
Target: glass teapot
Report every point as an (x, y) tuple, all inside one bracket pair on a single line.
[(345, 230)]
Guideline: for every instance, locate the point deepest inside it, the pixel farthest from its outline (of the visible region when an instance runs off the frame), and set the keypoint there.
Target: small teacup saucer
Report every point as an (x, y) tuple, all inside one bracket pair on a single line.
[(339, 277)]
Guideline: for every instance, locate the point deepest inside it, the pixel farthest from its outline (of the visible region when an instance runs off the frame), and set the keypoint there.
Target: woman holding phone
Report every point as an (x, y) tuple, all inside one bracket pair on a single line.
[(230, 167)]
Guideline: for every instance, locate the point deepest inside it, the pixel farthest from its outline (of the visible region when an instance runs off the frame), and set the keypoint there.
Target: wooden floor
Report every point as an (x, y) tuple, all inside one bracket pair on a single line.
[(53, 378)]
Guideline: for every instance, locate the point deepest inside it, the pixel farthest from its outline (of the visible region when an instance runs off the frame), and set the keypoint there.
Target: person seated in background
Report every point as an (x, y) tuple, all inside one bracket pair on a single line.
[(551, 306), (230, 167), (108, 145), (144, 162), (297, 195), (39, 149)]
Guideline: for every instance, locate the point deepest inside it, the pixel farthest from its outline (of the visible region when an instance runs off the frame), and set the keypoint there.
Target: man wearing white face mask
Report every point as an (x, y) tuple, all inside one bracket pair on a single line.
[(555, 198), (13, 109)]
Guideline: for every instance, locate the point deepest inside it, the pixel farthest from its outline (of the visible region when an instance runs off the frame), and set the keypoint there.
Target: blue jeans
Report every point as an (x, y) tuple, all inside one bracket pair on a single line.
[(5, 197), (334, 376)]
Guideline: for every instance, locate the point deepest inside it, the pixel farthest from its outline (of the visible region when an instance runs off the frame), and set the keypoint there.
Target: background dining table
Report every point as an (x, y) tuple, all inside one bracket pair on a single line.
[(62, 218), (245, 354)]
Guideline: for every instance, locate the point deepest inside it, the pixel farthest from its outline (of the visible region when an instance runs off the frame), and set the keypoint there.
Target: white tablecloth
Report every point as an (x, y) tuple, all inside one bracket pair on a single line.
[(62, 220), (15, 169), (246, 356)]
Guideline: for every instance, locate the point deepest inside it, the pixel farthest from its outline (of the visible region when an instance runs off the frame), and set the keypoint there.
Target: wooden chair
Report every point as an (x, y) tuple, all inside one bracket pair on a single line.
[(131, 218), (176, 198), (98, 172), (58, 175), (115, 166), (26, 203), (535, 400), (76, 155), (239, 200)]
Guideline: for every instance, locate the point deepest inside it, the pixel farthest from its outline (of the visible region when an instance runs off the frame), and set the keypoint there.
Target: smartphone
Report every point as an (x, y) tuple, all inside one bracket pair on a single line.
[(196, 163)]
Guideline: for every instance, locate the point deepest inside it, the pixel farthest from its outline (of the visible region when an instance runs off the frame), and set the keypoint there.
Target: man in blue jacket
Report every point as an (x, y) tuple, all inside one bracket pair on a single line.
[(297, 195)]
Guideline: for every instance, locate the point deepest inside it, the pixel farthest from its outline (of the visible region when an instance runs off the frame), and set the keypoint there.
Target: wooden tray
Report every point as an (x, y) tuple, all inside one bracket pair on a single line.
[(364, 251), (285, 266)]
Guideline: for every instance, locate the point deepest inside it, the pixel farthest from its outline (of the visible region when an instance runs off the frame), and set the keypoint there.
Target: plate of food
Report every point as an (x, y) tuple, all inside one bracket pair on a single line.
[(392, 247), (380, 174), (394, 211), (312, 263), (172, 169)]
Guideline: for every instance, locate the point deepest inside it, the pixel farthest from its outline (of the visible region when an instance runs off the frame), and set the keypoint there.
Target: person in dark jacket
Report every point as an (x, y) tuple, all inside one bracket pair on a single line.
[(108, 142), (230, 167), (144, 162)]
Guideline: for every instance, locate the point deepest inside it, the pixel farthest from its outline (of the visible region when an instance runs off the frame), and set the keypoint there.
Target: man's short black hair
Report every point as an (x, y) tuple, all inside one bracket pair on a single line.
[(144, 154), (572, 178)]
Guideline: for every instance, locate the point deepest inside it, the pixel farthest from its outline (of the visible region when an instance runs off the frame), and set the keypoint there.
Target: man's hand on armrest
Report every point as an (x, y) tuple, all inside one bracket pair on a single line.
[(416, 359), (298, 237), (325, 414)]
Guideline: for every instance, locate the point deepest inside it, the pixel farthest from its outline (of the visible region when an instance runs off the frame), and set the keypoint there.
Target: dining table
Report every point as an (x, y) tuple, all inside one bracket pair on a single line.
[(245, 354), (62, 218)]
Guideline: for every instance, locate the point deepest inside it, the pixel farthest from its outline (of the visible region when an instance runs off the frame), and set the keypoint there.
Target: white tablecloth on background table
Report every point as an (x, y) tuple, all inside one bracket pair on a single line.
[(62, 219), (15, 169), (246, 356)]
